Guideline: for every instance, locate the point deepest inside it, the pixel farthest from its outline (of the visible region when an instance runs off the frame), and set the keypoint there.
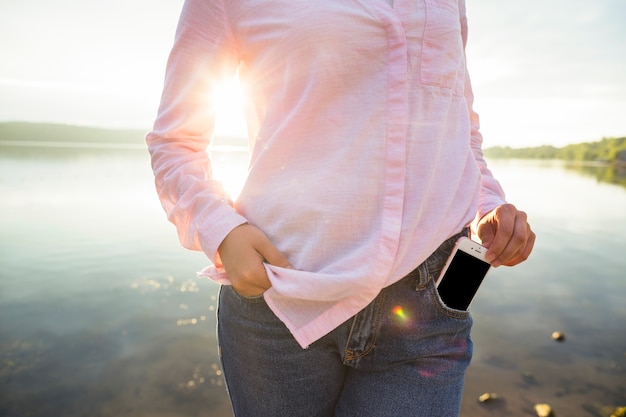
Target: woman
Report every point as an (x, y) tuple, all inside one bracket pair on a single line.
[(366, 166)]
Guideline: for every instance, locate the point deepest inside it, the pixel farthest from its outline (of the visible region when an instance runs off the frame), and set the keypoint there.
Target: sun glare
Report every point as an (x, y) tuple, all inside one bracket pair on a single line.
[(228, 98), (230, 166)]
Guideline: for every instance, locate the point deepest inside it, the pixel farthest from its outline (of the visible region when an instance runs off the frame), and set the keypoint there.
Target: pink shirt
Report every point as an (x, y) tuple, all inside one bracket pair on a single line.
[(365, 151)]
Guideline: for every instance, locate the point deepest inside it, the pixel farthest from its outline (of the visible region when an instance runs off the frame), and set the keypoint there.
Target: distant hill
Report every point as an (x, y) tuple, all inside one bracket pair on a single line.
[(51, 132), (610, 150)]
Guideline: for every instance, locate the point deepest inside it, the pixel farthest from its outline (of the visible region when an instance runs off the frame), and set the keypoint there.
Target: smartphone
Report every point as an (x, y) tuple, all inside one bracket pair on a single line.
[(462, 274)]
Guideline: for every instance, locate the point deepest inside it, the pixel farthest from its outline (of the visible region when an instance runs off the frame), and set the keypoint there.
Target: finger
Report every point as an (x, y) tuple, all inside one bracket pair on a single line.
[(515, 248), (247, 269), (272, 255), (524, 253), (250, 277), (243, 262), (504, 218)]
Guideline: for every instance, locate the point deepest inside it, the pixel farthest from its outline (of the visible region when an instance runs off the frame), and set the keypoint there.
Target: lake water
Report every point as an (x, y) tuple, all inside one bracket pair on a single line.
[(101, 313)]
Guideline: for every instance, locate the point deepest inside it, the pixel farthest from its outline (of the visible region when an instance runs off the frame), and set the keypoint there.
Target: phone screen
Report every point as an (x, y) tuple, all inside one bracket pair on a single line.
[(461, 280)]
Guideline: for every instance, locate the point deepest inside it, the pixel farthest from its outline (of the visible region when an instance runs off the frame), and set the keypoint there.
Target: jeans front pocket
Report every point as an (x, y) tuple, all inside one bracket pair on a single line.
[(442, 61), (442, 307), (250, 299), (433, 266)]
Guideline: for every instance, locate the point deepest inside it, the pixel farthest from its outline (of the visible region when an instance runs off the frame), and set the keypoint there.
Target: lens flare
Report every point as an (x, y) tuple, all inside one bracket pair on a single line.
[(400, 314)]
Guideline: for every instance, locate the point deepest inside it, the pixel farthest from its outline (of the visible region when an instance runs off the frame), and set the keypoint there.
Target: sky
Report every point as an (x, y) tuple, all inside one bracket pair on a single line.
[(543, 71)]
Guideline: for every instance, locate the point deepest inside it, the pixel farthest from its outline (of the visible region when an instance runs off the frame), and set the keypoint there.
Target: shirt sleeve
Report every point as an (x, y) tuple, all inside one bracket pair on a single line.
[(204, 53), (491, 193)]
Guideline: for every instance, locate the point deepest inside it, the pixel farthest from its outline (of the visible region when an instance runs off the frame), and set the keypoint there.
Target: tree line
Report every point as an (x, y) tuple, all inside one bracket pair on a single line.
[(610, 150), (54, 132), (606, 150)]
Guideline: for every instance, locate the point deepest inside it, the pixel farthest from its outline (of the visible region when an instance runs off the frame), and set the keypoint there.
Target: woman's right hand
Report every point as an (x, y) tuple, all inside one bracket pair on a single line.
[(243, 252)]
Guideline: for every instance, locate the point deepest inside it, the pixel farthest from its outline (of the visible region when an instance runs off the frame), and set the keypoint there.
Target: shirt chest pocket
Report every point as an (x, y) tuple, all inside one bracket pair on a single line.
[(442, 62)]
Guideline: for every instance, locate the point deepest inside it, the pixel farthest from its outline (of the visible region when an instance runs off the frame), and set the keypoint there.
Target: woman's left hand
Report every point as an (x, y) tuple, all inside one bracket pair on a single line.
[(506, 233)]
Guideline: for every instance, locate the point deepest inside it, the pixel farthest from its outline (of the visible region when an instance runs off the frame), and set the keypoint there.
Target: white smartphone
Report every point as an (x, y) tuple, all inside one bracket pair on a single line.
[(462, 274)]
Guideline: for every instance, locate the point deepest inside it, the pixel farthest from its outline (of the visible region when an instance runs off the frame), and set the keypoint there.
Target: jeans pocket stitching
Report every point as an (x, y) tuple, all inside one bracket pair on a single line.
[(254, 299), (350, 354)]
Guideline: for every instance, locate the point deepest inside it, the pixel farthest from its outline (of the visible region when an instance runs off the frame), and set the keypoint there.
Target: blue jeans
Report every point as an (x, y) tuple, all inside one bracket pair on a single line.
[(403, 355)]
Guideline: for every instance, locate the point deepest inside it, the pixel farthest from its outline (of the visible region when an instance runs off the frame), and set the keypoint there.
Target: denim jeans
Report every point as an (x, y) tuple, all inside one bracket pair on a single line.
[(403, 355)]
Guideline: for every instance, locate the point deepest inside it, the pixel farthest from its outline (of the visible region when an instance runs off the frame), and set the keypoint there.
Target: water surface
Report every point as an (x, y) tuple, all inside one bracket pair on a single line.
[(101, 313)]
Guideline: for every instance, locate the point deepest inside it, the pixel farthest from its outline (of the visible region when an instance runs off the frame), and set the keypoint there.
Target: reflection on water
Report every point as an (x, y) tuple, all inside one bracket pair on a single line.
[(101, 312), (151, 352), (612, 174), (573, 283)]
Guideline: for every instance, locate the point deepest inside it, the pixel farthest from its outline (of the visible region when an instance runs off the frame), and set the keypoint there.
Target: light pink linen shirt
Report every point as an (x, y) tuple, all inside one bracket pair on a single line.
[(365, 150)]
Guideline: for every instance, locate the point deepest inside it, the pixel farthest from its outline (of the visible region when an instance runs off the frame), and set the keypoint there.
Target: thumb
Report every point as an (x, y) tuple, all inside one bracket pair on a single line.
[(487, 228), (486, 234), (273, 256)]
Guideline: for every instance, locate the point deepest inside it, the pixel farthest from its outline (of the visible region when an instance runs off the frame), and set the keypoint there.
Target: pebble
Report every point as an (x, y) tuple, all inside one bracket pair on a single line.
[(543, 410), (558, 336), (488, 397), (608, 411), (619, 412)]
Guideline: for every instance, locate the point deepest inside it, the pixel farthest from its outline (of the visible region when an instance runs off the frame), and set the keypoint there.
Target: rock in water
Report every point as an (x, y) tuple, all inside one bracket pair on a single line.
[(488, 397), (619, 412), (543, 410)]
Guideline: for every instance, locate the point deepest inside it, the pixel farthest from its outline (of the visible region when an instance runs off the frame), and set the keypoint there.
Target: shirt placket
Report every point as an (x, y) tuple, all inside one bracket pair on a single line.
[(395, 152)]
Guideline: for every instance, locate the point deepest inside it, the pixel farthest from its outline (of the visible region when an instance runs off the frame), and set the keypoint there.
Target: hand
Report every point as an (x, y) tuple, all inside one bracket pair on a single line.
[(243, 252), (506, 233)]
